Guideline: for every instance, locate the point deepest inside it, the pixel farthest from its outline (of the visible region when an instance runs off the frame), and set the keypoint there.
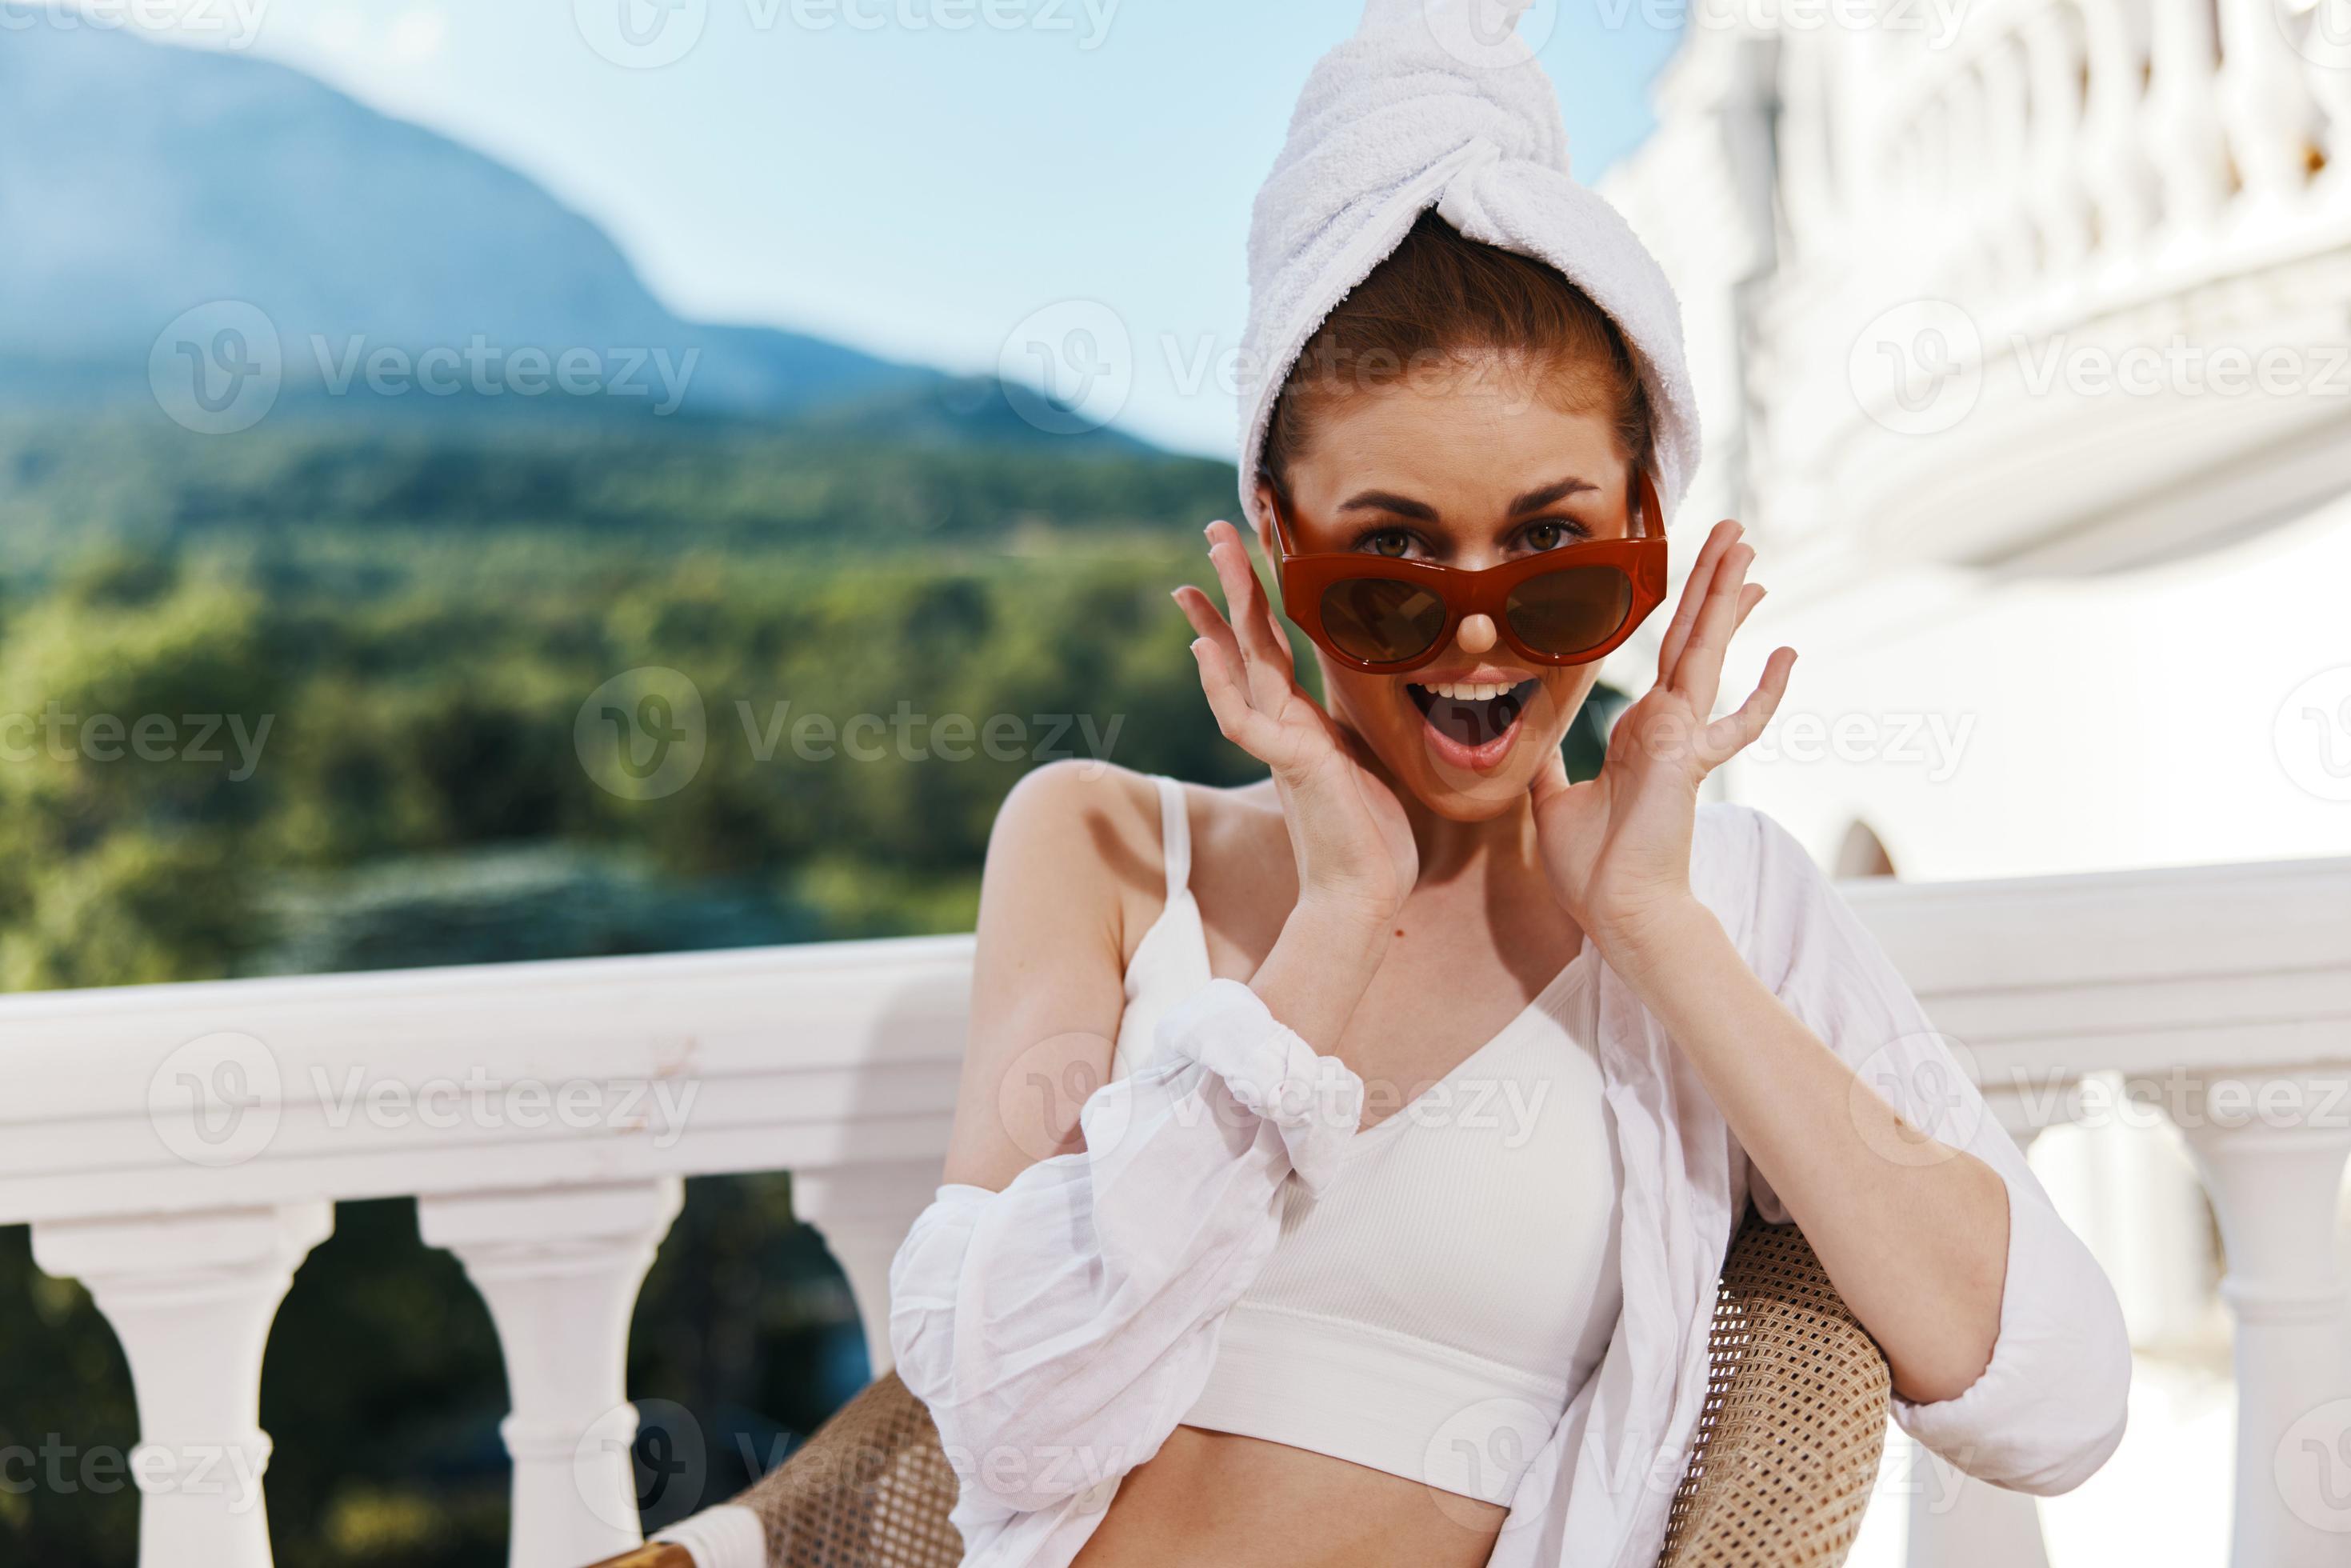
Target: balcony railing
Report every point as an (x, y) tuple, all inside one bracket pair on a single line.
[(2059, 290), (180, 1148)]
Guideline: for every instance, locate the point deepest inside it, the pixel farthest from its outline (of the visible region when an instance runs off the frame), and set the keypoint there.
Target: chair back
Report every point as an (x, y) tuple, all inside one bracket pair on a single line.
[(1794, 1425)]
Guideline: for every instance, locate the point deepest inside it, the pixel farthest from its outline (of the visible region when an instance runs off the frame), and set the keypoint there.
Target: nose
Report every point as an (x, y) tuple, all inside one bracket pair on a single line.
[(1477, 633)]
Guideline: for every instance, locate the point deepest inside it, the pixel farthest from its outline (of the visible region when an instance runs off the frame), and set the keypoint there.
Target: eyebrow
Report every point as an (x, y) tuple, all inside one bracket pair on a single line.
[(1558, 490), (1388, 501), (1533, 500)]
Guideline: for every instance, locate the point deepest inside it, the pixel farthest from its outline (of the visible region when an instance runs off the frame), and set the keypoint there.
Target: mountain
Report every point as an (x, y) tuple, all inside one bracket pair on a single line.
[(140, 180)]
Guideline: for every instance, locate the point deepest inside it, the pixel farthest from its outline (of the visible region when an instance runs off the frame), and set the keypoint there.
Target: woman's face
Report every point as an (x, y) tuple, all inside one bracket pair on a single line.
[(1482, 472)]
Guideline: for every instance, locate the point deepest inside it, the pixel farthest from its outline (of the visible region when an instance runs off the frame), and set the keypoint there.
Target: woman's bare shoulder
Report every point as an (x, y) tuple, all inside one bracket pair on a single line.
[(1097, 824), (1082, 833), (1084, 814), (1076, 874)]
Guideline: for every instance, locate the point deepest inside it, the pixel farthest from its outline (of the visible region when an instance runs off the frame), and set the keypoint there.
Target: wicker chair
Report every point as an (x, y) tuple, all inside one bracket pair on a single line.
[(1786, 1451)]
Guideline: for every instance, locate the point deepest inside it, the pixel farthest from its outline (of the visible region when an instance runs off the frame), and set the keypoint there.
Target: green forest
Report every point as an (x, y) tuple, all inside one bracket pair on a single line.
[(310, 699)]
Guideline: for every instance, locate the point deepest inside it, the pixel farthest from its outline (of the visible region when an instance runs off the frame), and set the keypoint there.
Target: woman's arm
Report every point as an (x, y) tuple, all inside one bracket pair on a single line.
[(1913, 1230), (1048, 967), (2004, 1338), (1052, 1312), (2007, 1344)]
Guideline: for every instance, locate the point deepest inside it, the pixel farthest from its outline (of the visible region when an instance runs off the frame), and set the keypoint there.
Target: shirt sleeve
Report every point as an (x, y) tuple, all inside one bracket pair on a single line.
[(2050, 1407), (1058, 1329)]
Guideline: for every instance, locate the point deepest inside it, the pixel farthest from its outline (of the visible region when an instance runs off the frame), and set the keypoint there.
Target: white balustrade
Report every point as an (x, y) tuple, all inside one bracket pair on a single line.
[(179, 1149), (185, 1194), (2111, 211)]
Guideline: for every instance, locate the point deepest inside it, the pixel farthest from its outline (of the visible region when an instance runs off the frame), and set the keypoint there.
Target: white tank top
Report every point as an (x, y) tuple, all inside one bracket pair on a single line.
[(1434, 1312)]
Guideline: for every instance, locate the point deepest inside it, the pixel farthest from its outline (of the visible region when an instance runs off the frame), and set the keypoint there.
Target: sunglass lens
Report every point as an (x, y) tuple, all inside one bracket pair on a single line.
[(1379, 620), (1571, 610)]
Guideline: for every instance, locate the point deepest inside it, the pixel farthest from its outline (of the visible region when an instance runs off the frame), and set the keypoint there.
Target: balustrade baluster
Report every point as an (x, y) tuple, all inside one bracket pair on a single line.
[(2114, 156), (2006, 212), (2271, 1148), (864, 1213), (2272, 120), (2182, 118), (2321, 36), (2055, 54), (560, 1268), (1968, 156), (190, 1297), (1956, 1521)]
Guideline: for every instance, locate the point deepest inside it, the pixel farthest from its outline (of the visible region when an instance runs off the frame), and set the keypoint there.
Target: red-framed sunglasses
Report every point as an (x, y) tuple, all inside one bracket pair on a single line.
[(1385, 616)]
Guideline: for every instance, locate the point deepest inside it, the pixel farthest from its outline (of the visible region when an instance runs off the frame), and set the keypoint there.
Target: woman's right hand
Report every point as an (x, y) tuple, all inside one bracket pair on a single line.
[(1352, 842)]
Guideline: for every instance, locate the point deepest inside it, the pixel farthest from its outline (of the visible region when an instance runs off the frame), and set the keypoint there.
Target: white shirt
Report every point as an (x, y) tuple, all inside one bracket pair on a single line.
[(1058, 1329)]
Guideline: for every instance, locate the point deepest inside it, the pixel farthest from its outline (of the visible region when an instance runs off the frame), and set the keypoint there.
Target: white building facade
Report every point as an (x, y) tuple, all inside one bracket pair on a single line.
[(2021, 332)]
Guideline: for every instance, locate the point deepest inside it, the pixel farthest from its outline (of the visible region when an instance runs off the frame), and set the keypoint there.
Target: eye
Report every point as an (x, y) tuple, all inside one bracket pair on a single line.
[(1390, 542), (1550, 533)]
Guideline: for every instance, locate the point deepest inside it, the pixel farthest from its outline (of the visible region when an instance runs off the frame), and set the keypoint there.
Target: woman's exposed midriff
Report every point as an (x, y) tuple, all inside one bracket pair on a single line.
[(1215, 1500)]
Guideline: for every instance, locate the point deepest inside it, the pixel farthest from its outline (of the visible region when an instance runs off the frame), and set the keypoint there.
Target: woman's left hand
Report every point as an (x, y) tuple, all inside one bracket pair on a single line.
[(1618, 846)]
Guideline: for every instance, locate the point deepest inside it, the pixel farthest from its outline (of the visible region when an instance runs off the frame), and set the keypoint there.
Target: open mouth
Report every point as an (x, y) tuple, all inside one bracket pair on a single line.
[(1471, 716)]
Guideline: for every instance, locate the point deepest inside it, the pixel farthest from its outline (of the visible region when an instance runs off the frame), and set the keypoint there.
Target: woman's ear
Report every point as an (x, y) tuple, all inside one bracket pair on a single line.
[(1267, 541)]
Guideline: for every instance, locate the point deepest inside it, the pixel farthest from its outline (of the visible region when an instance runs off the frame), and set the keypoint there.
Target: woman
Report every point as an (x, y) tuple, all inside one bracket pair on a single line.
[(1344, 1162)]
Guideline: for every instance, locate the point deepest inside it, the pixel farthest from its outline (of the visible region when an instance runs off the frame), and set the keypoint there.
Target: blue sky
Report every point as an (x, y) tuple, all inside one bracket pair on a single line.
[(859, 169)]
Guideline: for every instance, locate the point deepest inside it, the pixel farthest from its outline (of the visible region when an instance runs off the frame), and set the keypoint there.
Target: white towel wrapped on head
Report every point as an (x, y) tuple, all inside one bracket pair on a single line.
[(1438, 103)]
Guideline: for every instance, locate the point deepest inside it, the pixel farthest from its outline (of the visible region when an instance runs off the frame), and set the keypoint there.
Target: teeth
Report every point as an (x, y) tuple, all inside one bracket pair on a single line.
[(1466, 692)]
